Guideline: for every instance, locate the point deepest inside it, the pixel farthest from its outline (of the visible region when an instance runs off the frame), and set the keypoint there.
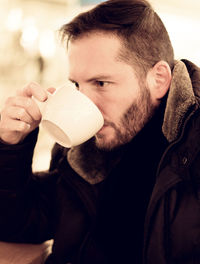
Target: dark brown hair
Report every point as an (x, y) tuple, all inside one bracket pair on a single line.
[(144, 36)]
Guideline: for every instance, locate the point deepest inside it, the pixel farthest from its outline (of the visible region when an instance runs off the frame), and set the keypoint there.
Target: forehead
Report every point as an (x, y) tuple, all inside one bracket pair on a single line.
[(97, 39), (95, 45), (95, 51)]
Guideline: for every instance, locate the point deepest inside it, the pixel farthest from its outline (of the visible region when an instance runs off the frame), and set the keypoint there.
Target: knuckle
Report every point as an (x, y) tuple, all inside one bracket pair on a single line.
[(21, 113), (26, 91), (18, 91), (32, 83), (29, 102), (21, 127), (29, 84), (9, 100)]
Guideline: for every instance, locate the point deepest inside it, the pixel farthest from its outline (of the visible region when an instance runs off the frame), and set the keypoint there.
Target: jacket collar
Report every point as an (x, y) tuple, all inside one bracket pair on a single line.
[(180, 99), (92, 164)]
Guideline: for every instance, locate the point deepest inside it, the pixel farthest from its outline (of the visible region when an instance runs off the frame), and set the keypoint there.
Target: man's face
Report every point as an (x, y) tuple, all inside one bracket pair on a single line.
[(124, 101)]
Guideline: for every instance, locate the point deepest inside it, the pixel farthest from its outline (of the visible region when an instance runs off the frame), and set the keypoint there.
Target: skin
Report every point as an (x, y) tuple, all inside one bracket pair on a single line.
[(126, 101), (20, 114)]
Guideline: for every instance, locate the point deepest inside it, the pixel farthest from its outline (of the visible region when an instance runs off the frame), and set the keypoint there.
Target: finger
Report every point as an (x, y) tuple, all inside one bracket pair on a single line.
[(16, 125), (19, 113), (27, 104), (51, 90), (34, 89)]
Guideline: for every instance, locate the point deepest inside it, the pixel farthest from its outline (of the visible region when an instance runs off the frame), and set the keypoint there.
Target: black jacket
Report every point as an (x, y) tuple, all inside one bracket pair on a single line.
[(153, 189)]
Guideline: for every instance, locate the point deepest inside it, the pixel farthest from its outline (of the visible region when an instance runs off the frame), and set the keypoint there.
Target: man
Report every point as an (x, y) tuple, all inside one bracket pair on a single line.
[(130, 194)]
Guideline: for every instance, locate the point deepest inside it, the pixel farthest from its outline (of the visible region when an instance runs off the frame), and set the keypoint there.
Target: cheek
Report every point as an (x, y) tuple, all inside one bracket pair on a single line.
[(112, 111), (105, 109), (112, 106), (103, 103)]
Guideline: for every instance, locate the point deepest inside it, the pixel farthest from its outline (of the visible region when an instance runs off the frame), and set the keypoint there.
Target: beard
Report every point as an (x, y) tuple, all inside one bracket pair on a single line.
[(131, 122)]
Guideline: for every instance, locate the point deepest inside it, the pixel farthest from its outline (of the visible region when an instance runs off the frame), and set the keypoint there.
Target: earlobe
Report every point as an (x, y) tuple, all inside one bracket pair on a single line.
[(159, 80)]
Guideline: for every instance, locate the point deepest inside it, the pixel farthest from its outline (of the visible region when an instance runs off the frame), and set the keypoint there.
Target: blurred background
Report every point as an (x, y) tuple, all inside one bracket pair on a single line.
[(30, 49)]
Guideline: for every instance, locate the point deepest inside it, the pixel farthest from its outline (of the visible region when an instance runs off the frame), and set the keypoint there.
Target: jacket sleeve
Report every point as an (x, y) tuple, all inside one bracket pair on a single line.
[(27, 200)]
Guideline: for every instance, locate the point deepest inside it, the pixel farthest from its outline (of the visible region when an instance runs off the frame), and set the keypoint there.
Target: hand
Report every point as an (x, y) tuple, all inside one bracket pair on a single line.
[(21, 115)]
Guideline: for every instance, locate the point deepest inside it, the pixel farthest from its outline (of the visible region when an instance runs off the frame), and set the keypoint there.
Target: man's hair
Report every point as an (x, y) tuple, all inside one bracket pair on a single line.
[(144, 37)]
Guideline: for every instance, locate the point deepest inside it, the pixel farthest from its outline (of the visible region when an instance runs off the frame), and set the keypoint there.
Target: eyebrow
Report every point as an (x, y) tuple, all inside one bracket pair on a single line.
[(97, 77)]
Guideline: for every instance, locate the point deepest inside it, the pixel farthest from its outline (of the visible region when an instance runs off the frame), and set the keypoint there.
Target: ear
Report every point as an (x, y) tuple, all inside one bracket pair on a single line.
[(159, 79)]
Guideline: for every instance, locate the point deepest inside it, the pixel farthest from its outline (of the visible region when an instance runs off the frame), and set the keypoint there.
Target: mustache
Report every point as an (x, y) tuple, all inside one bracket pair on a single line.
[(113, 125), (109, 123)]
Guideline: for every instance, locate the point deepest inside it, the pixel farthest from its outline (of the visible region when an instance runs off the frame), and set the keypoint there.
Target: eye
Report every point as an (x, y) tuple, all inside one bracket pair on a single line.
[(76, 85), (101, 84)]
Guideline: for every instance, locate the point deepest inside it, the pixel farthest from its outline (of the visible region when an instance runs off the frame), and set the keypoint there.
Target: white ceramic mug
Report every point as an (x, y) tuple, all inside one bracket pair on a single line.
[(70, 117)]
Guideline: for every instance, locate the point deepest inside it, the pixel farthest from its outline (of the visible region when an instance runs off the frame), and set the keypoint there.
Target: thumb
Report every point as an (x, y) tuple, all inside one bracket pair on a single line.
[(51, 90)]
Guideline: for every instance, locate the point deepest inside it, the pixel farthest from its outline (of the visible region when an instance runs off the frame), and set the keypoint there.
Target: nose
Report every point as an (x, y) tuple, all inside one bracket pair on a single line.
[(91, 94), (88, 92)]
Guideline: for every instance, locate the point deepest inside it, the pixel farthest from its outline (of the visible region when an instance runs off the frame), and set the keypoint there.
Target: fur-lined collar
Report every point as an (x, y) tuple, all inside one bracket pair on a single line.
[(94, 166), (180, 98)]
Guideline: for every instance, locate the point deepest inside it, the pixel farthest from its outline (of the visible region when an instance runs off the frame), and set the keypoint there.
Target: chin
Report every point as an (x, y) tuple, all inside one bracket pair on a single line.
[(101, 142), (105, 144), (109, 139)]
